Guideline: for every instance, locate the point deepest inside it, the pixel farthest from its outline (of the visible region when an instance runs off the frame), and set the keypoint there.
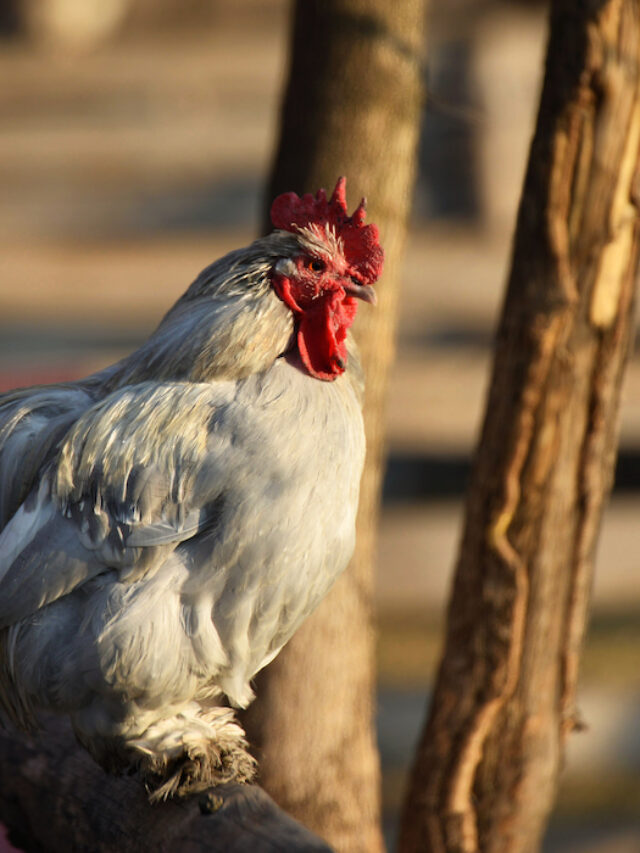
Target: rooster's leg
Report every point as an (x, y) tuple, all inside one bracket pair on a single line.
[(191, 752), (188, 752)]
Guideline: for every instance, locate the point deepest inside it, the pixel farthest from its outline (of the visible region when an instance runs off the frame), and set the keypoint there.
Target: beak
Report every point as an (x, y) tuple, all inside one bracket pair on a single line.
[(361, 291)]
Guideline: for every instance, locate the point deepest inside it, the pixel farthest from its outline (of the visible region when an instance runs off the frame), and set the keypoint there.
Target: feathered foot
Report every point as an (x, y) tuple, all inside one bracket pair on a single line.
[(192, 751)]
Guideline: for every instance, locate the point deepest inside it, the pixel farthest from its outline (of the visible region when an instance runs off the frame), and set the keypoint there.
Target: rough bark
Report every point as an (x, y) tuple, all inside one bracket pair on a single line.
[(351, 107), (486, 768), (54, 797)]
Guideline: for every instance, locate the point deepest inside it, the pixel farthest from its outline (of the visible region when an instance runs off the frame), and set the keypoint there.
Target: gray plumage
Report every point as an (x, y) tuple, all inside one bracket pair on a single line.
[(167, 524)]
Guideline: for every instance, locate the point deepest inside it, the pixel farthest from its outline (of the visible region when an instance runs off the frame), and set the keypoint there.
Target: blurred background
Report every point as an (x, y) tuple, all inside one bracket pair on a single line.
[(135, 139)]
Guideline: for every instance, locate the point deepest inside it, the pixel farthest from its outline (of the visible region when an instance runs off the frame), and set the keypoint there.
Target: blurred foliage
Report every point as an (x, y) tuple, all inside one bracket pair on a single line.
[(614, 795), (409, 646)]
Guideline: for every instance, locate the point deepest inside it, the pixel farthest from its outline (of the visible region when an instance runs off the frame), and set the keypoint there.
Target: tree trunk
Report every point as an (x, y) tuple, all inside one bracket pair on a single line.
[(352, 107), (486, 769)]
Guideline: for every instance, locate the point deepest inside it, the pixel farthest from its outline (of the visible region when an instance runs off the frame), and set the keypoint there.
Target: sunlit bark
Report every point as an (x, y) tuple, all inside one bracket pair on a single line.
[(486, 769)]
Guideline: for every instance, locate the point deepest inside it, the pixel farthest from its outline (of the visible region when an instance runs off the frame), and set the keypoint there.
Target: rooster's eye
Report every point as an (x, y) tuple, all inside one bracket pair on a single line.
[(316, 265)]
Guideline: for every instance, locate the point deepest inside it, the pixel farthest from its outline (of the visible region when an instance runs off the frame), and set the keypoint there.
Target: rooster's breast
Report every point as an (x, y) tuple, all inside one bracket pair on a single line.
[(288, 522)]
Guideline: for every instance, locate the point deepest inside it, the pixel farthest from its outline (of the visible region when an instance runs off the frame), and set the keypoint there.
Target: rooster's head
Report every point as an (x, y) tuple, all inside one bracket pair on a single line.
[(340, 259)]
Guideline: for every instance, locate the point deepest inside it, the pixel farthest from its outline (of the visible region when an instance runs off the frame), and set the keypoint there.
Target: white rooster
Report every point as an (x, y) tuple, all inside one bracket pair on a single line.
[(167, 524)]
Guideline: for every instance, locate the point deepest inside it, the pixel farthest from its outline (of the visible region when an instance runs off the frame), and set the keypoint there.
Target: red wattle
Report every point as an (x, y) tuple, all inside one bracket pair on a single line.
[(322, 333)]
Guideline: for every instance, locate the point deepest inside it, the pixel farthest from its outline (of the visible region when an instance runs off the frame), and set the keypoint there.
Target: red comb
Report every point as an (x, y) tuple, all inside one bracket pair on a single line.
[(362, 249)]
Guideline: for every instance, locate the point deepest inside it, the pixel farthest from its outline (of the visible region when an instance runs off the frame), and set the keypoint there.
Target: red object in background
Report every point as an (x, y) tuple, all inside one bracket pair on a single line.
[(23, 377), (5, 845)]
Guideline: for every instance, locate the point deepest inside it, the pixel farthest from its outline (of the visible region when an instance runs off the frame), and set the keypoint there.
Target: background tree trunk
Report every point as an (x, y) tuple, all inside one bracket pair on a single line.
[(486, 769), (352, 107)]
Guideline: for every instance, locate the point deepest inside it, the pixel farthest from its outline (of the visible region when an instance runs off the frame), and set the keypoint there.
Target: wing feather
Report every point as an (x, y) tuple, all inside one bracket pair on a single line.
[(32, 423), (130, 483)]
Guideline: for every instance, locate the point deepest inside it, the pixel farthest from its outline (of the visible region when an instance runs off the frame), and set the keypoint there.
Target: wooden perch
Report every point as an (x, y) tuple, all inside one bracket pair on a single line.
[(53, 797)]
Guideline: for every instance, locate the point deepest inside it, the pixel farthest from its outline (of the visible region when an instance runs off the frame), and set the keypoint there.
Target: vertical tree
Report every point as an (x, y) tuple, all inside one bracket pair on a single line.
[(351, 107), (504, 703)]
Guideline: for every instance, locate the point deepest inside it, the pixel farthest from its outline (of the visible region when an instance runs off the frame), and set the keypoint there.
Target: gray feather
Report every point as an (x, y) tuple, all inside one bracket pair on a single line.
[(32, 422), (167, 524)]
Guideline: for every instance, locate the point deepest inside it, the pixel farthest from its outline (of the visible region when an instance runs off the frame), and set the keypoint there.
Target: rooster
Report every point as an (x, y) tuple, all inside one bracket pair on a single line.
[(167, 523)]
